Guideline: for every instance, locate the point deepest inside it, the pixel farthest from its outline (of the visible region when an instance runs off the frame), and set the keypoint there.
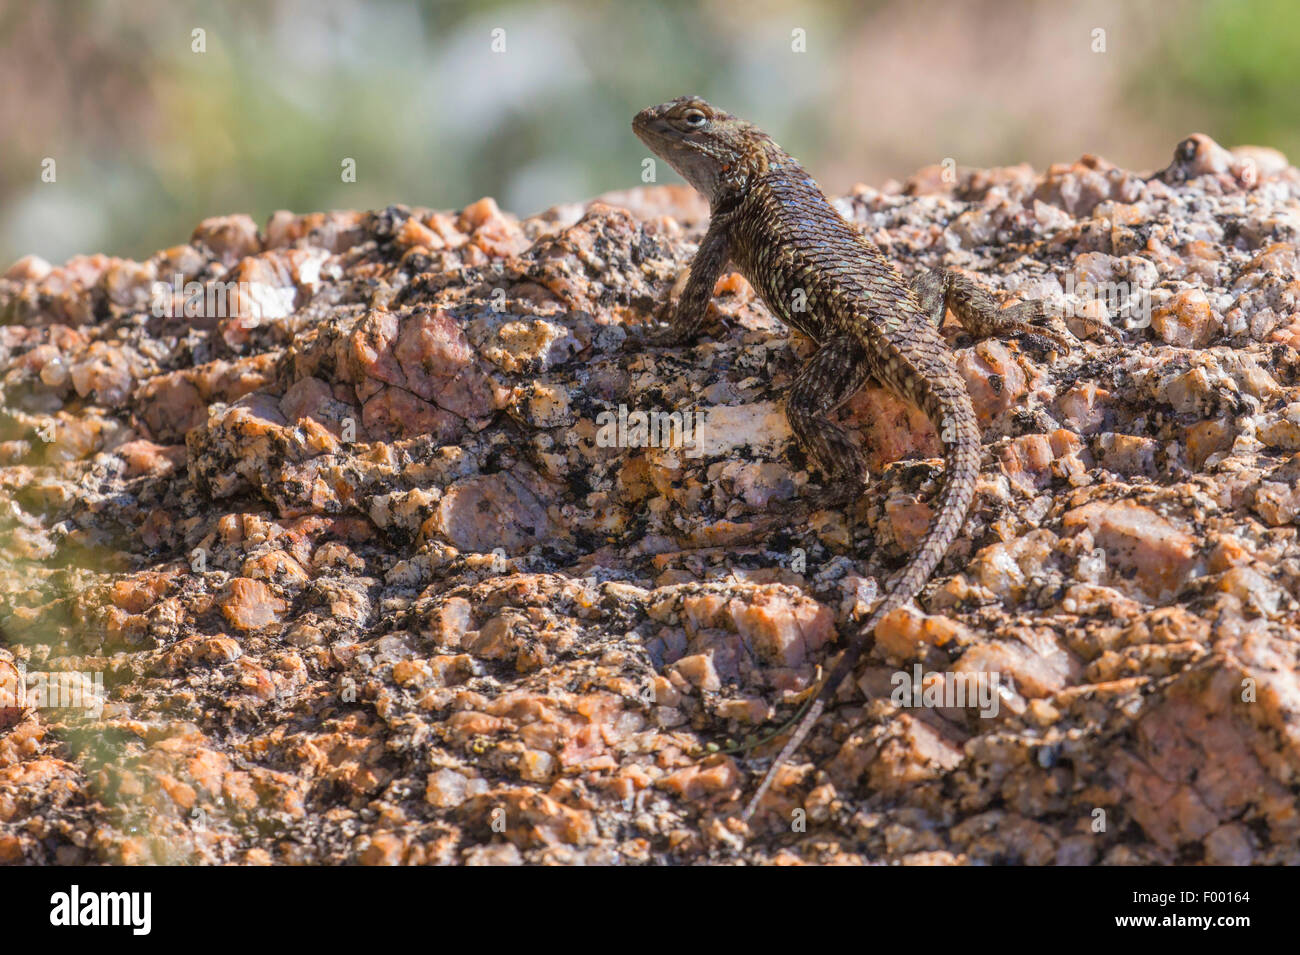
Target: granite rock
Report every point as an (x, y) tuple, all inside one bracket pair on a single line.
[(370, 537)]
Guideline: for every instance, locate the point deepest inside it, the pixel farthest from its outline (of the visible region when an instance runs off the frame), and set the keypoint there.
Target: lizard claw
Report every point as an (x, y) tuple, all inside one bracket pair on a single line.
[(1042, 340), (1093, 326)]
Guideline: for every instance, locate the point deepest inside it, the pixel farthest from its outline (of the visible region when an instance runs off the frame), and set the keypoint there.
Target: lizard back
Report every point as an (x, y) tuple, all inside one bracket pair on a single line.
[(821, 276)]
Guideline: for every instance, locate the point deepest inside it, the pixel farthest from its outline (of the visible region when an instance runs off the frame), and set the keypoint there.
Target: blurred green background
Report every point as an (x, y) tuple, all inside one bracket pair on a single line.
[(149, 136)]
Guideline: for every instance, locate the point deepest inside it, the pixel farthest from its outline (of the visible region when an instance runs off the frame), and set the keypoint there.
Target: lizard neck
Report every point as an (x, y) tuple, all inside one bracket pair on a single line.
[(759, 159)]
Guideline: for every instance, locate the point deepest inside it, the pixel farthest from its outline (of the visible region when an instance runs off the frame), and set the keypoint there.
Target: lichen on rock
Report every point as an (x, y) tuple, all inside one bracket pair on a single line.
[(332, 510)]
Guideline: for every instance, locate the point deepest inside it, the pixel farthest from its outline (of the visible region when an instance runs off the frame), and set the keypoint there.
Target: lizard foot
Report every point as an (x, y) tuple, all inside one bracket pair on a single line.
[(834, 496), (1043, 341), (666, 336), (1100, 329), (656, 335)]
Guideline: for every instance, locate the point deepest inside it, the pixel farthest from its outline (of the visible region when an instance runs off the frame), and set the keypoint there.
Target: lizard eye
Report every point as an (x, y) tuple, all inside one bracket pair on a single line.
[(694, 118)]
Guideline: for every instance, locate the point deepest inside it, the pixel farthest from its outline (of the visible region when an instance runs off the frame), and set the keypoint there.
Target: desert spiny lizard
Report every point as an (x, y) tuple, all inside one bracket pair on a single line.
[(820, 275)]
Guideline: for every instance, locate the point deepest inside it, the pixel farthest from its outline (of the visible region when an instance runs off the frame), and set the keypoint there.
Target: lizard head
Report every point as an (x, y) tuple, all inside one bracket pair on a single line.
[(714, 151)]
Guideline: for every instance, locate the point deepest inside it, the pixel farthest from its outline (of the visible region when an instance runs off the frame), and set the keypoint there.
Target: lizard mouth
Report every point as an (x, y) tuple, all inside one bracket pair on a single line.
[(641, 124), (648, 126)]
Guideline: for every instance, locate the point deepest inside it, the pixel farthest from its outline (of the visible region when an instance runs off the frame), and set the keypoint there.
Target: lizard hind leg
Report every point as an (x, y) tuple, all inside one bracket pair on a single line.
[(835, 372), (939, 290)]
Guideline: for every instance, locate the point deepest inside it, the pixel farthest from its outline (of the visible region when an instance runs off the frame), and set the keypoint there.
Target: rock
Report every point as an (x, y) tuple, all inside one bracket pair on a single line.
[(250, 605), (1152, 551), (229, 238), (367, 577), (1186, 320)]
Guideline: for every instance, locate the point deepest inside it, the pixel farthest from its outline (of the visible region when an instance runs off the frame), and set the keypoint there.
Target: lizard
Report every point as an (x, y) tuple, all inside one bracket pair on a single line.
[(824, 278)]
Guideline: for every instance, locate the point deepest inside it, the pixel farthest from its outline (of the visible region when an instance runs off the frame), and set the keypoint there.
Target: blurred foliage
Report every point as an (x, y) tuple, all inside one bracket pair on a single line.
[(1239, 64), (149, 137)]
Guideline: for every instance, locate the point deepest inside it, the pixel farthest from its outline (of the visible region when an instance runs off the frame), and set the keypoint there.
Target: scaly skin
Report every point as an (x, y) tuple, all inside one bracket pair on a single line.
[(820, 275)]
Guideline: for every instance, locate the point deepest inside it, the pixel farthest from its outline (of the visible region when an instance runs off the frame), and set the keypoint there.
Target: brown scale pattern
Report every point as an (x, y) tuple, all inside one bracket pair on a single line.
[(820, 276), (787, 238)]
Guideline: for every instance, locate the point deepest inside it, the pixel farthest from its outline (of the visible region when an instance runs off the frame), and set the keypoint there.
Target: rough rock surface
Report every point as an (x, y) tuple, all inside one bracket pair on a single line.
[(361, 582)]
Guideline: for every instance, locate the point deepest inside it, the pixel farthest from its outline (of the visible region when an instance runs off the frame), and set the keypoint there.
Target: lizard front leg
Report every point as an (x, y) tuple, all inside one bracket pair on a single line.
[(835, 372), (706, 268), (941, 289)]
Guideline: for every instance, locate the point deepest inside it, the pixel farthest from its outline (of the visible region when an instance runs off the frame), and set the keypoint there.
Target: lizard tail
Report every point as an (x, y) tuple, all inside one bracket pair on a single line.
[(948, 412)]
